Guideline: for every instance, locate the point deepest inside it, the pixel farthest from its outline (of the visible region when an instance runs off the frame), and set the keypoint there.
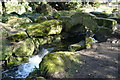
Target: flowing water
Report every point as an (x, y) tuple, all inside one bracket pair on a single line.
[(23, 70)]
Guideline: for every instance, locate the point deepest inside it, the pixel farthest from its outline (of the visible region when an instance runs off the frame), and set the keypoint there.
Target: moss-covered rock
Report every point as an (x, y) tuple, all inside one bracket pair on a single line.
[(46, 28), (82, 44), (40, 19), (60, 64), (77, 46), (6, 51), (16, 21), (86, 19), (108, 23), (24, 48), (88, 42), (19, 36), (49, 39), (67, 23), (103, 33), (14, 61)]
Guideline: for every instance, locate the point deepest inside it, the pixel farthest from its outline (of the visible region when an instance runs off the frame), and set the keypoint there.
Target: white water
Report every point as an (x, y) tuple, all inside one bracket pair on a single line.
[(25, 68)]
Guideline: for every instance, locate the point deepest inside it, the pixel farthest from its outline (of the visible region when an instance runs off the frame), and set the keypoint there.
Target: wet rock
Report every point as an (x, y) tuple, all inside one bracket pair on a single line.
[(50, 27), (15, 61), (59, 64)]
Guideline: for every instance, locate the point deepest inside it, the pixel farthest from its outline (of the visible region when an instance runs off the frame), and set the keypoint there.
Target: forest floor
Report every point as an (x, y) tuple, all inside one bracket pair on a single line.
[(102, 60)]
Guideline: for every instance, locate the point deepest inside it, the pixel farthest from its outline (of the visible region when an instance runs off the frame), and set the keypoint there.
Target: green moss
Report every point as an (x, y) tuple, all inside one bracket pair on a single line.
[(60, 62), (77, 46), (16, 21), (40, 19), (109, 23), (19, 36), (67, 23), (46, 28), (14, 61), (24, 48), (86, 19), (89, 41)]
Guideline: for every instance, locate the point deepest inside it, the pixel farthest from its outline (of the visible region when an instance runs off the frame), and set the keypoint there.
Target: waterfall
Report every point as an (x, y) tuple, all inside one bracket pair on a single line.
[(24, 69)]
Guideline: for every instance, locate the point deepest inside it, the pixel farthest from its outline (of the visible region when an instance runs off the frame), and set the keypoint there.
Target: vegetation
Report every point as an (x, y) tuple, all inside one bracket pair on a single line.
[(66, 27)]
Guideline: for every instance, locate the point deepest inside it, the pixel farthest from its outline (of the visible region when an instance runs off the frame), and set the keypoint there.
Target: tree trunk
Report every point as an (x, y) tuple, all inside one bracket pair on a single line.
[(3, 7)]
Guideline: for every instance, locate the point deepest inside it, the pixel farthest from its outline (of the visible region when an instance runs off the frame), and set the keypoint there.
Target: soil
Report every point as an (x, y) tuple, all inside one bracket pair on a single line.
[(102, 60)]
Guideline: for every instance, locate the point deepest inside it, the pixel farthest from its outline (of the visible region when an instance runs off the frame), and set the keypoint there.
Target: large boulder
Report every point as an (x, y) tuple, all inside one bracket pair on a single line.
[(7, 54), (50, 27), (59, 64), (86, 19), (79, 22)]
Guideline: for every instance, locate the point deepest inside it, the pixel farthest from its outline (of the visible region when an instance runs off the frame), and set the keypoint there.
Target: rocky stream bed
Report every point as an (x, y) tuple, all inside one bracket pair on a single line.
[(76, 45)]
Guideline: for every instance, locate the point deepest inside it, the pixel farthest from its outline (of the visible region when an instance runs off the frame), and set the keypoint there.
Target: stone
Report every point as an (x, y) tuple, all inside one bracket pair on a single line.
[(60, 64), (89, 41), (103, 33), (100, 14), (18, 36), (115, 18), (50, 27), (16, 21), (40, 19), (15, 61), (24, 48), (67, 23), (49, 40), (77, 46), (85, 19), (45, 9), (108, 23)]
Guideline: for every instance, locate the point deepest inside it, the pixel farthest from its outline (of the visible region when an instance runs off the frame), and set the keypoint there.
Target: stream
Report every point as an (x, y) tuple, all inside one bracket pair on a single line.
[(23, 70)]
